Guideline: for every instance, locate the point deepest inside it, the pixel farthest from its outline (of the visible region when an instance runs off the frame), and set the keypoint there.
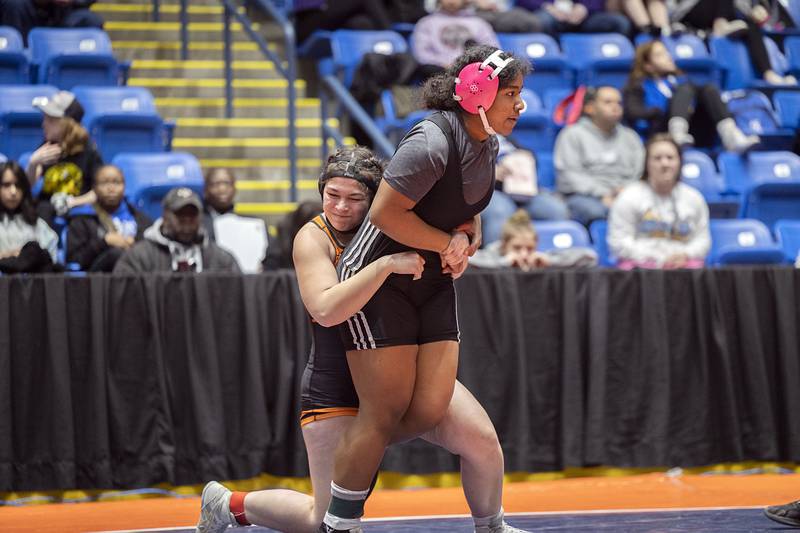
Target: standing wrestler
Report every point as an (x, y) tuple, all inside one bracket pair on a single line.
[(329, 403), (403, 344)]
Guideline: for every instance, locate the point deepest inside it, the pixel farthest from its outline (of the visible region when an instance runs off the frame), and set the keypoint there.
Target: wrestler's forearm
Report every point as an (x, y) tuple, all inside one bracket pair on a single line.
[(341, 301), (405, 227)]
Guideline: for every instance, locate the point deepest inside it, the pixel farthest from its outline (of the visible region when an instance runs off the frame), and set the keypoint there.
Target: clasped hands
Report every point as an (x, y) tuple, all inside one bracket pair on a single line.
[(464, 242)]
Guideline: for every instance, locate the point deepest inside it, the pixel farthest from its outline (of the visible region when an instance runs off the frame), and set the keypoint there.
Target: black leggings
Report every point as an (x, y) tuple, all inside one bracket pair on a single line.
[(702, 107), (703, 15), (351, 14)]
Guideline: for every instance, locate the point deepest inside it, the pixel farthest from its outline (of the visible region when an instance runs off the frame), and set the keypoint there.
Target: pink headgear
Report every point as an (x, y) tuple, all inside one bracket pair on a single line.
[(477, 85)]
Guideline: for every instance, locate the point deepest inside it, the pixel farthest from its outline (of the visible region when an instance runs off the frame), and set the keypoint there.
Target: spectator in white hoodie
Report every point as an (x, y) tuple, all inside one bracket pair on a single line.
[(659, 222), (439, 38)]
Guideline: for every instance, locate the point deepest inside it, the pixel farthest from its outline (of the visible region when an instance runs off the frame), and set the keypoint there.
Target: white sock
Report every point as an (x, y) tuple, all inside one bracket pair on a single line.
[(493, 520)]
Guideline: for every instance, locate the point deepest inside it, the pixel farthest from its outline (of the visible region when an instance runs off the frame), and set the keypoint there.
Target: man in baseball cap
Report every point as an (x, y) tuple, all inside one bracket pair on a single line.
[(62, 104), (176, 242)]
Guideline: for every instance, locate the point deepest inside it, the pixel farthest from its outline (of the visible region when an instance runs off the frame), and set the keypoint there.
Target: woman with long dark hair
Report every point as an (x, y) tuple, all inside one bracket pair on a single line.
[(20, 227)]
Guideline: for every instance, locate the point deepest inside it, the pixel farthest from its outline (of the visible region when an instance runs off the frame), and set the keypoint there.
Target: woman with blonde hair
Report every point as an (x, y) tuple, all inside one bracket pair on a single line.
[(67, 160), (518, 248)]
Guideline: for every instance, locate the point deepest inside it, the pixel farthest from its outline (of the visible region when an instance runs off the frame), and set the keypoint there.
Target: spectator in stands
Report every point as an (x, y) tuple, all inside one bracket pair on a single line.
[(719, 18), (597, 156), (571, 16), (176, 242), (660, 94), (310, 15), (648, 16), (98, 237), (406, 11), (516, 186), (505, 18), (279, 250), (439, 38), (769, 15), (26, 14), (659, 222), (219, 191), (239, 235), (517, 248), (66, 161), (27, 243)]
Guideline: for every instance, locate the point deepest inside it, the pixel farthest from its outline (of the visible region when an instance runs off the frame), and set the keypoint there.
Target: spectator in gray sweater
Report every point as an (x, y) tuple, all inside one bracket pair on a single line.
[(597, 156)]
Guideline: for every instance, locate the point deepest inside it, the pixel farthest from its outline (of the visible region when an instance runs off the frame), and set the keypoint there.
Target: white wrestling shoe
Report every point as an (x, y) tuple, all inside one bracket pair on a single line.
[(500, 528), (215, 505)]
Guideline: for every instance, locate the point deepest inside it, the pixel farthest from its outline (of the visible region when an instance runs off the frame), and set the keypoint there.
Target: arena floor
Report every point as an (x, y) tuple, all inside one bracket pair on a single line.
[(640, 503)]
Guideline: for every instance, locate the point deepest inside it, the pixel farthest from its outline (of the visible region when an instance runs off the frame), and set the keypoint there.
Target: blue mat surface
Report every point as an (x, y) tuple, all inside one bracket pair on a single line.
[(716, 520)]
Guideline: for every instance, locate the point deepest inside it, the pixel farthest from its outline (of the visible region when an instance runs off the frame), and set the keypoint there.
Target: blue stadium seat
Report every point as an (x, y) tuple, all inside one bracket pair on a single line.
[(550, 66), (741, 172), (754, 114), (793, 7), (148, 177), (393, 126), (700, 172), (20, 122), (598, 230), (123, 119), (535, 130), (349, 46), (561, 234), (788, 234), (787, 105), (13, 61), (742, 241), (739, 72), (770, 202), (792, 47), (545, 171), (68, 57), (600, 58), (690, 55)]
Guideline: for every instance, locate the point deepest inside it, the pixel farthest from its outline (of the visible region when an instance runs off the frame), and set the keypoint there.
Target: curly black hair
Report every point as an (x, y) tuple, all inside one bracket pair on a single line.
[(437, 92)]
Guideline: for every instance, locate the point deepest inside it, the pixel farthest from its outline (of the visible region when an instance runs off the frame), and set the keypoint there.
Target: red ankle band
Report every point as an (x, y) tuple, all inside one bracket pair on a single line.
[(237, 508)]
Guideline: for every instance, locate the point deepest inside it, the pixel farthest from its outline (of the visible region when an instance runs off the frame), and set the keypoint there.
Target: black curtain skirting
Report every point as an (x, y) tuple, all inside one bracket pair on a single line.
[(123, 382)]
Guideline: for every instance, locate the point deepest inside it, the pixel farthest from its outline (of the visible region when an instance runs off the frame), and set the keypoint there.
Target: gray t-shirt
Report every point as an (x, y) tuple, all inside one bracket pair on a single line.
[(421, 160)]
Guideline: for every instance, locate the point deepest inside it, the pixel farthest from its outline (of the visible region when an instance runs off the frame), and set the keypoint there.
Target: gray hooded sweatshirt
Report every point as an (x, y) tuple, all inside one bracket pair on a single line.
[(157, 253)]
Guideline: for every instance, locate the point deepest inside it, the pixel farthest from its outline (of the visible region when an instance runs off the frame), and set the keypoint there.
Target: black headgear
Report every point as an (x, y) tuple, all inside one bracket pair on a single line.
[(351, 170)]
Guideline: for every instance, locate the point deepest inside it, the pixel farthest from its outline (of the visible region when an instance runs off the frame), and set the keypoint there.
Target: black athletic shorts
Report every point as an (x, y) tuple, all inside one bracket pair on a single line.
[(405, 312)]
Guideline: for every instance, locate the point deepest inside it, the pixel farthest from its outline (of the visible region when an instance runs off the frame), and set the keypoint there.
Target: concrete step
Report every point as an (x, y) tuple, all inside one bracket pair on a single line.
[(215, 88), (250, 147), (137, 12), (264, 169), (167, 31), (175, 108), (161, 3), (250, 191), (170, 49), (199, 69), (189, 127)]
